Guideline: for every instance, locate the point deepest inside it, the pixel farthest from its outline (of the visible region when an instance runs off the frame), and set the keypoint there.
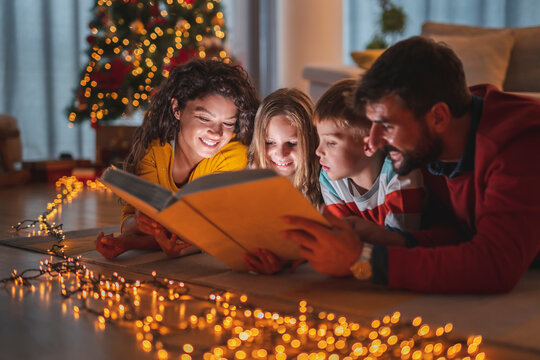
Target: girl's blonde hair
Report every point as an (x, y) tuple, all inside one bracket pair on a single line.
[(298, 108)]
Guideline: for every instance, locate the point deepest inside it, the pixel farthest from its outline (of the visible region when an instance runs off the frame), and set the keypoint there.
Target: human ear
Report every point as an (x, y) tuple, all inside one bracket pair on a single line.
[(439, 117), (175, 109)]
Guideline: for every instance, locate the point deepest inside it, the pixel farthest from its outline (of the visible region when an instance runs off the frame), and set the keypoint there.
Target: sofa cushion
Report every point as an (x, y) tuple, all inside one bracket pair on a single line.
[(523, 72), (433, 28), (485, 57), (524, 69)]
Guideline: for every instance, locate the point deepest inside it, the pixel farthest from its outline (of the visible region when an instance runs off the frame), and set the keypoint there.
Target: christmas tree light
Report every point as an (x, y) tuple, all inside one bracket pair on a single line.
[(133, 46)]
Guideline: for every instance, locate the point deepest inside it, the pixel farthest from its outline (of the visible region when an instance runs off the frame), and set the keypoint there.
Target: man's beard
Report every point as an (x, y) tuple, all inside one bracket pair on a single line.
[(428, 149)]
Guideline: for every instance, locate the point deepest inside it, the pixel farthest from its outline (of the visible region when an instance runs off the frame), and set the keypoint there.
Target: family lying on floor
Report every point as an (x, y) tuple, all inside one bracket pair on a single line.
[(429, 185)]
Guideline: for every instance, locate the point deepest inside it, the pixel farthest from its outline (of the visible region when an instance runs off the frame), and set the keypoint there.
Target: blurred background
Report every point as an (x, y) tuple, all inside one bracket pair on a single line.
[(45, 49)]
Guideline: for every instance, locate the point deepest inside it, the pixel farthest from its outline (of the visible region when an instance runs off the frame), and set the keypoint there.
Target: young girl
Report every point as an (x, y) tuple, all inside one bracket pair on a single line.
[(285, 140), (199, 122)]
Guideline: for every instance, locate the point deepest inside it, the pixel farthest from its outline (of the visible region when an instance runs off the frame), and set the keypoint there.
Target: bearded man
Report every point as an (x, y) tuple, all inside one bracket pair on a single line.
[(478, 145)]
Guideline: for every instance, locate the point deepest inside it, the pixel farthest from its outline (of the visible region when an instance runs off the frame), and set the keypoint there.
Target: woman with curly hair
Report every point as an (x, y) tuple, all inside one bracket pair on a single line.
[(199, 122)]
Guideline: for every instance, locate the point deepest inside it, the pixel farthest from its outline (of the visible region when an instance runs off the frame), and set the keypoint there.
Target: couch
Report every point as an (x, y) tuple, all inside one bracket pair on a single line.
[(509, 58)]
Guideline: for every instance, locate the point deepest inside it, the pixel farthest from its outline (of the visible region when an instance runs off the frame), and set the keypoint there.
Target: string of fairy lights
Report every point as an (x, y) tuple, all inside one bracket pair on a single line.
[(222, 325), (68, 188)]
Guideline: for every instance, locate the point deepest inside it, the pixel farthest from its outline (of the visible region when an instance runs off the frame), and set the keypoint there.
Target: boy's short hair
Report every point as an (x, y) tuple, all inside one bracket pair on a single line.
[(336, 105)]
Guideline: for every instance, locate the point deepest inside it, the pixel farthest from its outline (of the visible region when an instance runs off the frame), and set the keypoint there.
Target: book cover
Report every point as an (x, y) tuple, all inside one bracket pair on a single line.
[(224, 214)]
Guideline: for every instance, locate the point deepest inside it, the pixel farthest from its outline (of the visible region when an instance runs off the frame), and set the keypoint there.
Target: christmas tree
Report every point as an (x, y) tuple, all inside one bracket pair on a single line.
[(133, 46)]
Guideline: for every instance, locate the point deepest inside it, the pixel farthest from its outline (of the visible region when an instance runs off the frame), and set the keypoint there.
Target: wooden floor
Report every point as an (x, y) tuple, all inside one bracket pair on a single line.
[(42, 321), (90, 209), (509, 322)]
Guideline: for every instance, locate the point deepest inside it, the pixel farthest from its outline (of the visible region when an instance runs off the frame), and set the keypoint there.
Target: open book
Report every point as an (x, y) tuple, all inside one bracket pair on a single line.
[(224, 214)]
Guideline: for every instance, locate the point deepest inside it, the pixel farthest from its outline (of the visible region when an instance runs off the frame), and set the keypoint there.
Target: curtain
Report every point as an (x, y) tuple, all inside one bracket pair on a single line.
[(251, 38), (361, 17), (42, 52), (41, 56)]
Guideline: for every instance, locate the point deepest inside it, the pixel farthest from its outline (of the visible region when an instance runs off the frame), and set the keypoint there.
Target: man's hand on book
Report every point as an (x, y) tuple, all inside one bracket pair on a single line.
[(329, 250)]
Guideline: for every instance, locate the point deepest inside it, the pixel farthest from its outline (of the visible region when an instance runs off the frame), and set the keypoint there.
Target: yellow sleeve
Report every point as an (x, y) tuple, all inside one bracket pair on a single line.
[(232, 157), (156, 167)]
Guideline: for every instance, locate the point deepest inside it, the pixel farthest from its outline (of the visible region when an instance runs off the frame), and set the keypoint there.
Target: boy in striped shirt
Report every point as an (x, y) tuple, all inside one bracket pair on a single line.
[(356, 180)]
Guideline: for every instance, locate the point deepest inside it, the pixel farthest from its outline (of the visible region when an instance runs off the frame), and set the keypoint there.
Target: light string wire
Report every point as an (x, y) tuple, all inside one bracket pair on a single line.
[(68, 188)]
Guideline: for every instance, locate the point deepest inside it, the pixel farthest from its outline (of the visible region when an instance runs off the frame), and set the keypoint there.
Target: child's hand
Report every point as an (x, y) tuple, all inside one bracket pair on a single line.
[(172, 246), (296, 264), (146, 224), (372, 233), (109, 246), (263, 261)]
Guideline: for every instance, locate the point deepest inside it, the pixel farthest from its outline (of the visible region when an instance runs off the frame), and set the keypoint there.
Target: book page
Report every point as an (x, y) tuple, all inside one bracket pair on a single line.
[(228, 178), (251, 213), (192, 226)]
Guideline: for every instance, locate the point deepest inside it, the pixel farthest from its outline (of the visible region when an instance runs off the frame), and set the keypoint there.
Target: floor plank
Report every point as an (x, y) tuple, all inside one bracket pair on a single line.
[(90, 209)]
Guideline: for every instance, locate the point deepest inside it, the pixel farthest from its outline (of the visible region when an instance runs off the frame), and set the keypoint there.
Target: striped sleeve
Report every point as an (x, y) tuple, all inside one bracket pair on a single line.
[(332, 200), (403, 198)]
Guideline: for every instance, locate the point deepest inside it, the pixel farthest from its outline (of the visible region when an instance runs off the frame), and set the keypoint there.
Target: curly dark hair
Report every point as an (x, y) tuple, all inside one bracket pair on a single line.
[(421, 72), (192, 80)]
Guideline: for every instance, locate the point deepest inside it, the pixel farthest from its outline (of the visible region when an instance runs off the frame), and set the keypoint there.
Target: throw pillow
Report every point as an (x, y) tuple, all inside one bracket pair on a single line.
[(485, 57), (433, 28), (524, 69)]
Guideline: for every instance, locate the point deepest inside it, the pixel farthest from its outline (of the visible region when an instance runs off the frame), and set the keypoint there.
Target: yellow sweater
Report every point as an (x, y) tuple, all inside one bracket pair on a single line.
[(156, 166)]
